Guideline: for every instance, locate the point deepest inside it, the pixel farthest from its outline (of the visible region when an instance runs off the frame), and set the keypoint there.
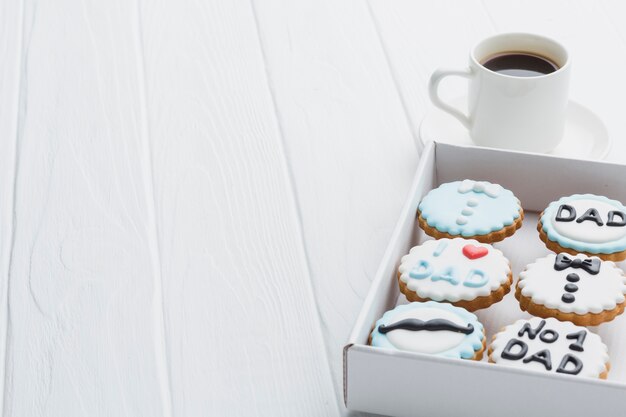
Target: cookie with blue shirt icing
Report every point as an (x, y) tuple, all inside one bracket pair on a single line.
[(431, 328), (585, 223), (470, 209), (462, 272)]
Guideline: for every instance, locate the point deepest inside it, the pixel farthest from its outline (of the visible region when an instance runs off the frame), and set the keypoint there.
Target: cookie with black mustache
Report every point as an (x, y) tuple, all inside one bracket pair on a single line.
[(431, 328)]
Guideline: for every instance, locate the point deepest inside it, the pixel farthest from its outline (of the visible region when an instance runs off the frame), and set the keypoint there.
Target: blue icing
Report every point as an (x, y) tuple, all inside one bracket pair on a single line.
[(468, 347), (447, 274), (440, 248), (567, 242), (473, 282), (442, 206), (422, 270)]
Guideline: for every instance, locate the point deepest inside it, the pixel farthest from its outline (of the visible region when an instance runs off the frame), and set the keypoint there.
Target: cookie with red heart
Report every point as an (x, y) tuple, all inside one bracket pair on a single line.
[(463, 272)]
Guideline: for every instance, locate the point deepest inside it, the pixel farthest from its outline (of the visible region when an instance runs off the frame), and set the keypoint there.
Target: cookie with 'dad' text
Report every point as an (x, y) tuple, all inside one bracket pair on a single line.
[(585, 223), (462, 272), (549, 345)]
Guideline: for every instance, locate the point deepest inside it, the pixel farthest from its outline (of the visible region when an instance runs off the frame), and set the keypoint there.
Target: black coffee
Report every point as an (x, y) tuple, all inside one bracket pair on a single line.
[(520, 64)]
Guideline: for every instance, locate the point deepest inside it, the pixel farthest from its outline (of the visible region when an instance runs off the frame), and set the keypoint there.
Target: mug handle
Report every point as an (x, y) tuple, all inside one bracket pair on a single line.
[(433, 91)]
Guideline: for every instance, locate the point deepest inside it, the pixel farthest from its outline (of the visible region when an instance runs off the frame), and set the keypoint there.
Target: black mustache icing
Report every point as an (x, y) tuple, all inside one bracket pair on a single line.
[(430, 325)]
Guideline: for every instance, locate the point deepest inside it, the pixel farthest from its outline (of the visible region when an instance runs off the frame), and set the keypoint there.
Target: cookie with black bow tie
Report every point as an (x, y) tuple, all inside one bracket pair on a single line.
[(584, 290)]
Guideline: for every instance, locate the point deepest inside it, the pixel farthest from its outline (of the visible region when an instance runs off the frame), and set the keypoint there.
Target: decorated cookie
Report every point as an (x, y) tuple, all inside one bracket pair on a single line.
[(550, 345), (586, 291), (433, 328), (471, 209), (466, 273), (585, 223)]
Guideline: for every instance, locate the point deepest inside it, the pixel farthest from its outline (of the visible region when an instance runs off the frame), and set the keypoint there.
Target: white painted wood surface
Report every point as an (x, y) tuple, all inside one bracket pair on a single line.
[(194, 196)]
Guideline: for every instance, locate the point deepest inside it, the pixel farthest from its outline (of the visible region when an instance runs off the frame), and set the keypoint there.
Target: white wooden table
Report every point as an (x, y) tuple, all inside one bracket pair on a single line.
[(195, 195)]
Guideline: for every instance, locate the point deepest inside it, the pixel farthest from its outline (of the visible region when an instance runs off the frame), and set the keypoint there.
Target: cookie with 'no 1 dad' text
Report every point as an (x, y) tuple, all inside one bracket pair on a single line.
[(584, 290), (431, 328), (470, 209), (549, 345), (585, 223), (462, 272)]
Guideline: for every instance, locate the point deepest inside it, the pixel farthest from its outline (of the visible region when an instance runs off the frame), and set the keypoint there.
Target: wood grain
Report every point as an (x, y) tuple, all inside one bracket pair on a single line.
[(243, 332), (157, 266), (82, 336), (349, 147), (11, 35)]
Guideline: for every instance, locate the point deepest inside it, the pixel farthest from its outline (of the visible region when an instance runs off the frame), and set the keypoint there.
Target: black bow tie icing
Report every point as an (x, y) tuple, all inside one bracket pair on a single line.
[(591, 265)]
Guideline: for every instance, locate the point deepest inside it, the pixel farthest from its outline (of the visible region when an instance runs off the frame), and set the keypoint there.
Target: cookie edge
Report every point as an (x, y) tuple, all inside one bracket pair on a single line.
[(477, 303), (495, 236)]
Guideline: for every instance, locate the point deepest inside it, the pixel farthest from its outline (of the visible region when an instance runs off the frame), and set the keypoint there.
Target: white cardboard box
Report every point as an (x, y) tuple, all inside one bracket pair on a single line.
[(399, 383)]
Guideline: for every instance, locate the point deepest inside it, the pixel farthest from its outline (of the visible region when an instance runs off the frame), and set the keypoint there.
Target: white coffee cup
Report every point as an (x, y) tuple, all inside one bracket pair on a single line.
[(513, 112)]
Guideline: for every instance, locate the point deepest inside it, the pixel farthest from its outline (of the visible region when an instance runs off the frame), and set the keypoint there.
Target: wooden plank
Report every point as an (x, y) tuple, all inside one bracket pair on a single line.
[(243, 332), (84, 334), (10, 81), (348, 143)]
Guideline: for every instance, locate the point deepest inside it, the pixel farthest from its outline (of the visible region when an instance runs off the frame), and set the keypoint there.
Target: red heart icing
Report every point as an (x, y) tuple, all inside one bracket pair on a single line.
[(474, 252)]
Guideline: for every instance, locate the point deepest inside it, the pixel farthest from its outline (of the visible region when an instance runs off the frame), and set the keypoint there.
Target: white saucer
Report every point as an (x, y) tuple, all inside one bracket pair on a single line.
[(585, 136)]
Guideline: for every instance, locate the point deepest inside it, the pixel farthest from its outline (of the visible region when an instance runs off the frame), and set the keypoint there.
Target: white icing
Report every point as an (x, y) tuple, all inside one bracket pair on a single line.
[(492, 190), (545, 286), (454, 266), (589, 231), (461, 220), (594, 357), (426, 341), (467, 211), (472, 202), (466, 185)]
